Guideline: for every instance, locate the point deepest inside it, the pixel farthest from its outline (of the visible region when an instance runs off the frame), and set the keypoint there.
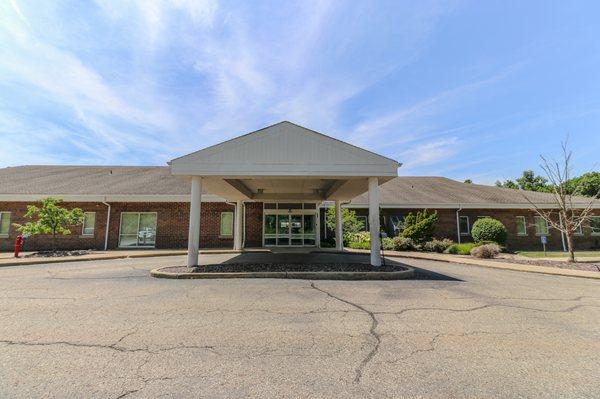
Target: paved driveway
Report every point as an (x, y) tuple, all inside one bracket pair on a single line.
[(105, 329)]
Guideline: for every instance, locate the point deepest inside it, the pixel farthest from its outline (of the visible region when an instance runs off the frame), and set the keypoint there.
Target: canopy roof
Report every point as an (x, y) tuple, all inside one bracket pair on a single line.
[(285, 161)]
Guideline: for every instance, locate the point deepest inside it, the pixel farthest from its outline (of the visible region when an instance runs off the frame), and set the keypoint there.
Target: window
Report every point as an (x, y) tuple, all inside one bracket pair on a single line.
[(365, 224), (4, 223), (463, 225), (89, 222), (226, 224), (579, 231), (138, 229), (397, 223), (595, 225), (521, 226), (541, 226)]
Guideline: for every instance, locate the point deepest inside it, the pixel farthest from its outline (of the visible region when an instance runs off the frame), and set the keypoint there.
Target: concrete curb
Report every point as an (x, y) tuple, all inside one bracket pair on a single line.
[(76, 259), (397, 275), (507, 266)]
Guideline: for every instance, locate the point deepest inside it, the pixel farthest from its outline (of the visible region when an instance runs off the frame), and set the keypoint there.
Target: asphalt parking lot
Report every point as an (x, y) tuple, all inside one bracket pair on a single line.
[(106, 329)]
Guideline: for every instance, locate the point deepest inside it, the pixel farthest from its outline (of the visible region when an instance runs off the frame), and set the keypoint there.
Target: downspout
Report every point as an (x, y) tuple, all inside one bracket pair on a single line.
[(458, 222), (243, 225), (562, 233), (107, 224)]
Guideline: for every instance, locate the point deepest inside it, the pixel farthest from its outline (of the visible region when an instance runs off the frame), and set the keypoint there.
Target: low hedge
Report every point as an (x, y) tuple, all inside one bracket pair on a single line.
[(462, 249)]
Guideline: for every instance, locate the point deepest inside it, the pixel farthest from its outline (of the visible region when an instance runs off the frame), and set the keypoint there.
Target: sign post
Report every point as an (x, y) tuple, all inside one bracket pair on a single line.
[(544, 242)]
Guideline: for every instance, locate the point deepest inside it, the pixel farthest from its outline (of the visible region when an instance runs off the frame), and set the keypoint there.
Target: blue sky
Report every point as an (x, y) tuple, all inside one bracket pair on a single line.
[(465, 89)]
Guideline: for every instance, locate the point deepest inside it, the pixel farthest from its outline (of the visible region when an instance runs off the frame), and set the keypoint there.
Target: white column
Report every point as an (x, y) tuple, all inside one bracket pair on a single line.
[(237, 231), (194, 232), (374, 221), (318, 227), (339, 233)]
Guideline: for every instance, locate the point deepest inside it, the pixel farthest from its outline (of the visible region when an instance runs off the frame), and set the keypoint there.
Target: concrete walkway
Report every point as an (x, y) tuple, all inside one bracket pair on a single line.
[(468, 260)]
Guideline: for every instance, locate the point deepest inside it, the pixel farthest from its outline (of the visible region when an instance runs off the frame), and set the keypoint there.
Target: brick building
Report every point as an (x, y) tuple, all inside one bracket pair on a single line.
[(282, 199)]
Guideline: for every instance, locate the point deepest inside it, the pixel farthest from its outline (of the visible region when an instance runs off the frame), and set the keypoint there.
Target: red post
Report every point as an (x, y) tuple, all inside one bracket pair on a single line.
[(18, 243)]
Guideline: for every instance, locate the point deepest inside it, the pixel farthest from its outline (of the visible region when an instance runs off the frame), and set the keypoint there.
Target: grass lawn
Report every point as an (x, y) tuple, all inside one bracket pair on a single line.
[(559, 254)]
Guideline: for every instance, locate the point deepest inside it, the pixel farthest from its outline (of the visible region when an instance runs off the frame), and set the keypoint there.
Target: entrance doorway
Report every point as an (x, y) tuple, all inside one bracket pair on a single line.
[(290, 225)]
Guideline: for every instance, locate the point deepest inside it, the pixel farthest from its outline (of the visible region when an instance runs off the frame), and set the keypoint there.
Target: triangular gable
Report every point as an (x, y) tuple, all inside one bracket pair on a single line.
[(284, 149)]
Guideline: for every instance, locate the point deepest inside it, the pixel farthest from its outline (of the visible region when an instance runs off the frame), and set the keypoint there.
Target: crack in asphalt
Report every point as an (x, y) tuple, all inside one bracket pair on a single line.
[(491, 305), (372, 331)]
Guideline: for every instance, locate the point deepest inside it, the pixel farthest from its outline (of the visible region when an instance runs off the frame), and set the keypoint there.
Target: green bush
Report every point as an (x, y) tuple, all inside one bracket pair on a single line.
[(403, 244), (387, 244), (437, 245), (488, 229), (419, 227), (360, 244), (462, 249)]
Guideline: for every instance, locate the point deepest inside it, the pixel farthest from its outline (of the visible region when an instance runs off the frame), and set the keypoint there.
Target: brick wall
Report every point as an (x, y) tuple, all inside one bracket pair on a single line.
[(171, 226), (173, 223)]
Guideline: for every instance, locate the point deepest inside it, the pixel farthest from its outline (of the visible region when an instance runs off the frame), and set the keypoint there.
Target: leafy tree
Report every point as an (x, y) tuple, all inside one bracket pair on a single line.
[(419, 227), (587, 185), (468, 181), (50, 218), (528, 181), (351, 224)]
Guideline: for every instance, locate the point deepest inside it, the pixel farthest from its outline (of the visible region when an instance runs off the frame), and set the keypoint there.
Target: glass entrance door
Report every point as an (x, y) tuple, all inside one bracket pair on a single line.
[(290, 230)]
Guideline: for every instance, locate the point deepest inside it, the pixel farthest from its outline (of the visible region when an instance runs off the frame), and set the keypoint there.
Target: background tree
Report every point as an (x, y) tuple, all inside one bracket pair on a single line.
[(468, 181), (570, 212), (50, 218), (528, 181), (587, 185), (351, 224)]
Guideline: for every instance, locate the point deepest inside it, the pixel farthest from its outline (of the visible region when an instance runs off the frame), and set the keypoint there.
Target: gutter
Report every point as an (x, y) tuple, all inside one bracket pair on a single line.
[(107, 224), (458, 222)]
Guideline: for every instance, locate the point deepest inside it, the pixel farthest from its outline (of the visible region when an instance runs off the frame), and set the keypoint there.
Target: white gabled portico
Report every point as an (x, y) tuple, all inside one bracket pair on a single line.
[(284, 163)]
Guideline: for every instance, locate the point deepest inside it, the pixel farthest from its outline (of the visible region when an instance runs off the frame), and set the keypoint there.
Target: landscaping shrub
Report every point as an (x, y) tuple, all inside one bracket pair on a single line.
[(437, 245), (486, 251), (360, 244), (419, 227), (488, 229), (403, 244), (387, 244), (462, 249), (361, 240)]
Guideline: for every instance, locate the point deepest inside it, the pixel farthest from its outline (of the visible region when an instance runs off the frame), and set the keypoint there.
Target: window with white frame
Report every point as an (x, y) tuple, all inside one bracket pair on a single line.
[(579, 230), (138, 229), (463, 226), (89, 223), (541, 226), (4, 223), (595, 225), (397, 222), (226, 229), (521, 226)]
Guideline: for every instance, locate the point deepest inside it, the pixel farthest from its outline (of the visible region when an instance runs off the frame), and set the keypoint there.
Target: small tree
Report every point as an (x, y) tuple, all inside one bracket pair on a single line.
[(570, 211), (420, 227), (351, 224), (50, 218)]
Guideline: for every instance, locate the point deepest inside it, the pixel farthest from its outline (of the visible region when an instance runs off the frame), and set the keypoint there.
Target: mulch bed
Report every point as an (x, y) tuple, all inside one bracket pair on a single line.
[(56, 254), (587, 266), (286, 267)]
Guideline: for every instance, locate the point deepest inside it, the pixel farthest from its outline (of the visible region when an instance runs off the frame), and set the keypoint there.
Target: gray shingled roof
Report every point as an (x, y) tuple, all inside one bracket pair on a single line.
[(91, 180), (429, 190), (157, 180)]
